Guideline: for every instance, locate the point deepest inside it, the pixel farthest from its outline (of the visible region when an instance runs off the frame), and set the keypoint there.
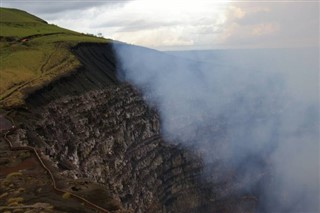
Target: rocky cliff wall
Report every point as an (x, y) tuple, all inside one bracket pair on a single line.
[(113, 138), (97, 71), (94, 128)]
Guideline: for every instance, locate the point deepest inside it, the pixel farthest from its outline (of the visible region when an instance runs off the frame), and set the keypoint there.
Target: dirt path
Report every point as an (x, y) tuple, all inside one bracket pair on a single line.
[(41, 69), (7, 126)]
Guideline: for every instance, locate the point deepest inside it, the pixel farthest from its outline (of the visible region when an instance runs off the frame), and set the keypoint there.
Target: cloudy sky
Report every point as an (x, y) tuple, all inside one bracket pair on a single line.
[(188, 24)]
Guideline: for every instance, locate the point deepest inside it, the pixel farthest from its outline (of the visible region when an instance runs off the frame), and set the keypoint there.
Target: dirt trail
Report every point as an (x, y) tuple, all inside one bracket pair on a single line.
[(27, 38), (7, 126)]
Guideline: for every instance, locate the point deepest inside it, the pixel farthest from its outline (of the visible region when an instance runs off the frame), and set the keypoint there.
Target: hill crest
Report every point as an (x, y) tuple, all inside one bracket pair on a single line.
[(33, 54)]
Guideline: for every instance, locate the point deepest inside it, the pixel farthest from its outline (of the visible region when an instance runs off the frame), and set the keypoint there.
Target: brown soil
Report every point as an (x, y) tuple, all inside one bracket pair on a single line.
[(27, 187)]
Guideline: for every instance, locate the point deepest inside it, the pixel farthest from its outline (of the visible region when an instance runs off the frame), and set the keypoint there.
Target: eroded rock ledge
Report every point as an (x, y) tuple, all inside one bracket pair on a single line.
[(113, 138), (95, 129)]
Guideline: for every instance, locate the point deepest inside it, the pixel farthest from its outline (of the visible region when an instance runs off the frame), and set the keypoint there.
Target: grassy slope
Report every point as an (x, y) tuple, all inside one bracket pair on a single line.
[(25, 65)]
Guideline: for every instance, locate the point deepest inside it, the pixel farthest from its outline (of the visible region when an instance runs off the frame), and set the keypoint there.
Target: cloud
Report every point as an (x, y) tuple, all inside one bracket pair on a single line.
[(276, 24), (56, 7), (158, 37), (136, 21), (193, 24), (264, 29), (137, 25)]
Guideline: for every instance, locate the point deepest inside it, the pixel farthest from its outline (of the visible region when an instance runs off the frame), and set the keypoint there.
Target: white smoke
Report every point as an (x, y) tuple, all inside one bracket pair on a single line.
[(238, 104)]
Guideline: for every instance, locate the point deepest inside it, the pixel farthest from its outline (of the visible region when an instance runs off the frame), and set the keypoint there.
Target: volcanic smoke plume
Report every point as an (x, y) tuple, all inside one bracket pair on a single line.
[(256, 111)]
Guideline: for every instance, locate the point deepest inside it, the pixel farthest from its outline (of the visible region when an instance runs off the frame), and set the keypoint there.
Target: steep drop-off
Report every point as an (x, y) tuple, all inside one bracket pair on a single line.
[(112, 137), (94, 128), (97, 71)]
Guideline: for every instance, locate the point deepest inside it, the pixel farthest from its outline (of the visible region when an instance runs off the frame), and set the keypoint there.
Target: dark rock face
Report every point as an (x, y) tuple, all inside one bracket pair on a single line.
[(92, 127), (97, 71), (112, 137)]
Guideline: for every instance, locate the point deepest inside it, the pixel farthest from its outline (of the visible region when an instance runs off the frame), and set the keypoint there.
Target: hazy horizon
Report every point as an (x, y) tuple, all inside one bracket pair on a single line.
[(173, 25)]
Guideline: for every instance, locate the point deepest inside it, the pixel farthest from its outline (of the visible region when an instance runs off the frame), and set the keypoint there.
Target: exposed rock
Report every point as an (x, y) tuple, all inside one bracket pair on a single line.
[(112, 137), (98, 71), (94, 128)]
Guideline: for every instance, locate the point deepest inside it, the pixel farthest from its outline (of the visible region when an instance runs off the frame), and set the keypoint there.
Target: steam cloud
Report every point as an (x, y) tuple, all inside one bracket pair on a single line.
[(256, 111)]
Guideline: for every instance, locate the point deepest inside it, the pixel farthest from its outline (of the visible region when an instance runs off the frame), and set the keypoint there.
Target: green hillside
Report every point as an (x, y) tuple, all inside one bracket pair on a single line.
[(33, 53)]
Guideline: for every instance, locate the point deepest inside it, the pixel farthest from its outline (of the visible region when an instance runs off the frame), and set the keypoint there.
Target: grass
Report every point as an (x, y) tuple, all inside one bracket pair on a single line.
[(13, 174), (66, 195), (29, 64)]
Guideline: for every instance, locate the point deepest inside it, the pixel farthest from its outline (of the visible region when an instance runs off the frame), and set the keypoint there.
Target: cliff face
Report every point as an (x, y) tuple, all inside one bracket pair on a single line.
[(98, 71), (112, 137), (94, 128)]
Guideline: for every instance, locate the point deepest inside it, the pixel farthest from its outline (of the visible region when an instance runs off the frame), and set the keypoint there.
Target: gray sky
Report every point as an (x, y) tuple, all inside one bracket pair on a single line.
[(192, 24)]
